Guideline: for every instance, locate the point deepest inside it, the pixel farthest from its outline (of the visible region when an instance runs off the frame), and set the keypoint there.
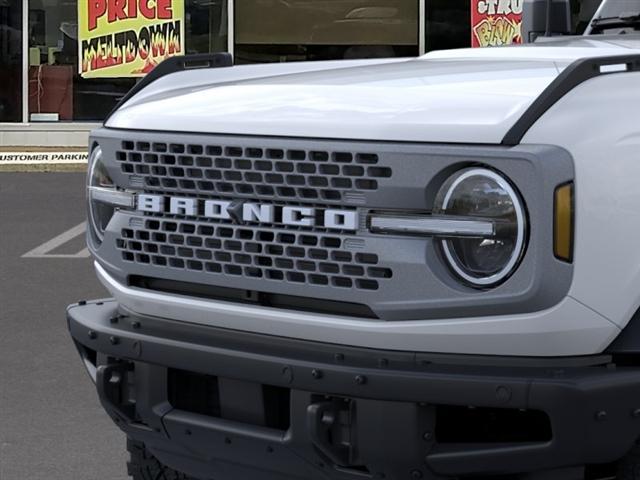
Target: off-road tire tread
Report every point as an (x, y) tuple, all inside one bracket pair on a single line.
[(629, 466), (144, 466)]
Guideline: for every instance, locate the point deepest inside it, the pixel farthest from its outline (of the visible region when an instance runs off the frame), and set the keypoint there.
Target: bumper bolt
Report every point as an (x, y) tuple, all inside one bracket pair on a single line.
[(82, 303), (416, 474), (339, 357), (135, 325), (636, 413), (361, 379), (187, 432), (601, 416), (114, 319), (269, 449), (427, 436), (92, 335), (227, 440), (287, 374), (503, 394), (383, 363), (114, 340), (317, 374)]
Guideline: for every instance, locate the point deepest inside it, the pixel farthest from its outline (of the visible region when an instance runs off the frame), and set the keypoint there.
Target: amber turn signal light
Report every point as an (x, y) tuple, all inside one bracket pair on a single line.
[(563, 228)]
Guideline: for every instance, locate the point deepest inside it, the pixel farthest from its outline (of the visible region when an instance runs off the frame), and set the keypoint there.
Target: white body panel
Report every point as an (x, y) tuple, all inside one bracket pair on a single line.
[(408, 101), (599, 123), (460, 96), (569, 328)]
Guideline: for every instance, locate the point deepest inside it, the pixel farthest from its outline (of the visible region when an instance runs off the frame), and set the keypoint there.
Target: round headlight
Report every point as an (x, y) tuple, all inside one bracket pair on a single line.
[(100, 212), (476, 193)]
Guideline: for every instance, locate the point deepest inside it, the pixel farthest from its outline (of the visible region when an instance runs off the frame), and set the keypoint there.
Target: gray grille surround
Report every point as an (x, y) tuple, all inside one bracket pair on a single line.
[(408, 280)]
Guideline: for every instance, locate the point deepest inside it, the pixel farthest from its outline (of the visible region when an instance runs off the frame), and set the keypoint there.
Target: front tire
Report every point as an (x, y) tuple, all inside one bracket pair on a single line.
[(144, 466), (629, 466)]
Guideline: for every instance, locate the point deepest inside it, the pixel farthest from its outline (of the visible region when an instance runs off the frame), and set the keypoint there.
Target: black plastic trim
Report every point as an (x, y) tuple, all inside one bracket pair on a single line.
[(173, 65), (628, 342), (575, 74), (389, 400)]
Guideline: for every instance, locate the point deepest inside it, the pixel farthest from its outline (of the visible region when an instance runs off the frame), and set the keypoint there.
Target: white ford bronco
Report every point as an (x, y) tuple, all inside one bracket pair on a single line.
[(389, 269)]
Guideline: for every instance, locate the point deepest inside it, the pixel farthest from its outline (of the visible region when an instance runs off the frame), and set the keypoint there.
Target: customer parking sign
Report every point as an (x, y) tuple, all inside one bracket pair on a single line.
[(128, 38)]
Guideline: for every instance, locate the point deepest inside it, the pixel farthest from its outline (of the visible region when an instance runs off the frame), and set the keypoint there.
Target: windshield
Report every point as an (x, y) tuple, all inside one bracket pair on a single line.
[(624, 12), (618, 8)]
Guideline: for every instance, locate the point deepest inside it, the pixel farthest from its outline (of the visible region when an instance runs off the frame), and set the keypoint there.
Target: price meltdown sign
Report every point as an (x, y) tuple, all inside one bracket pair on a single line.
[(128, 38), (496, 22)]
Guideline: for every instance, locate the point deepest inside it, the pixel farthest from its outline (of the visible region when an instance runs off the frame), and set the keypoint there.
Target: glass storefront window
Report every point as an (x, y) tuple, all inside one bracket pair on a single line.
[(273, 30), (56, 90), (10, 61), (447, 24)]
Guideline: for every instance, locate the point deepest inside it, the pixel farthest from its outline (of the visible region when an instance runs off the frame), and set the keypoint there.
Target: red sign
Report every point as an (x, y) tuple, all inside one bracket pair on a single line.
[(496, 22)]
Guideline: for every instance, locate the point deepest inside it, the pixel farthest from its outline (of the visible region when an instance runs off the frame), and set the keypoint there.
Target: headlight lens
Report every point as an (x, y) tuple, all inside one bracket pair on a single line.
[(483, 261), (100, 212)]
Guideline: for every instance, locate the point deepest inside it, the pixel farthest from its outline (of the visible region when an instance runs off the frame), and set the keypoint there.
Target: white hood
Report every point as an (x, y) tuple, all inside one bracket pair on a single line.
[(459, 96)]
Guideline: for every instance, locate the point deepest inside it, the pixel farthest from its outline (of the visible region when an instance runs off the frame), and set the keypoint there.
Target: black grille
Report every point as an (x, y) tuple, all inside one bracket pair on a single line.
[(274, 173), (205, 395), (292, 256), (252, 297), (193, 392)]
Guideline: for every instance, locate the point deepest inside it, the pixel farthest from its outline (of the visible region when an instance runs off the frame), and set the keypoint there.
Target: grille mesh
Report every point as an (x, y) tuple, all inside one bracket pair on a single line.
[(275, 173), (291, 256)]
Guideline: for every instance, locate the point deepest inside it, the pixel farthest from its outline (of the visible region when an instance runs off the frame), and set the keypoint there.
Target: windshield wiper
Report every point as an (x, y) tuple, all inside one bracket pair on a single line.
[(623, 21)]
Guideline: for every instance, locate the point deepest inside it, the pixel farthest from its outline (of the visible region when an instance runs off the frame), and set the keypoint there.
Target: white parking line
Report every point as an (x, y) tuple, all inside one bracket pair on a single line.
[(43, 250)]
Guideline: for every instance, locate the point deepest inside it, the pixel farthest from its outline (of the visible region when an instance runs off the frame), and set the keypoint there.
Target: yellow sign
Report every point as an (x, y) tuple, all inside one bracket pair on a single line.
[(128, 38)]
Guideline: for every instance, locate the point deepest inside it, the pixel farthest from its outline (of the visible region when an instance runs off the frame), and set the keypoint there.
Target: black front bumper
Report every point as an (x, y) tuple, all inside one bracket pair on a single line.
[(231, 405)]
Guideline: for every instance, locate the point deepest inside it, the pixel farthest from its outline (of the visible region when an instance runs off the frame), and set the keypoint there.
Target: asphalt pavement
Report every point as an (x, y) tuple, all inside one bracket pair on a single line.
[(51, 424)]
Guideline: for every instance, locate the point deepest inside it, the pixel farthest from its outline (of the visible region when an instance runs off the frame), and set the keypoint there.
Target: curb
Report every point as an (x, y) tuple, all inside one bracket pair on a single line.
[(43, 167)]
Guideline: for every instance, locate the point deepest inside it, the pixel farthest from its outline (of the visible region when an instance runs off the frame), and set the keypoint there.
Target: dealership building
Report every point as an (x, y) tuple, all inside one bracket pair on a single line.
[(47, 100)]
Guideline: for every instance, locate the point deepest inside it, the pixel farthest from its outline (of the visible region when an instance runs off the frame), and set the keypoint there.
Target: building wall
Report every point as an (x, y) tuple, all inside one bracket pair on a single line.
[(45, 134)]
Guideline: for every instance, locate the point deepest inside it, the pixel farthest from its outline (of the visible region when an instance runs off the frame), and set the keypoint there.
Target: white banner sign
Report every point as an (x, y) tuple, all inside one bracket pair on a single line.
[(11, 158)]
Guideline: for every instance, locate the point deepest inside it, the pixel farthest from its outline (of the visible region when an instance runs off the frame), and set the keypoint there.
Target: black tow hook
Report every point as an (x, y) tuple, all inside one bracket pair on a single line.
[(111, 383), (323, 424)]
